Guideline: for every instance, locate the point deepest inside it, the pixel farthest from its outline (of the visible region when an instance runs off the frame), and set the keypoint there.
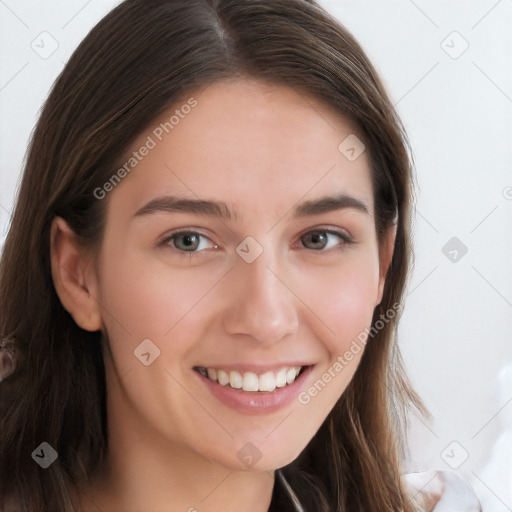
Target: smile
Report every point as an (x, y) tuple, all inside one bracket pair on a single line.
[(250, 381)]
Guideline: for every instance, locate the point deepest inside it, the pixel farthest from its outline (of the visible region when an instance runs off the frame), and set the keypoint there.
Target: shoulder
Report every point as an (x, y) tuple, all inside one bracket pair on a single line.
[(441, 491)]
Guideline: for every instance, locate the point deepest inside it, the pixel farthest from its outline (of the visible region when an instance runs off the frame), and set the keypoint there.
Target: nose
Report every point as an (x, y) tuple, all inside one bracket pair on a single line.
[(262, 307)]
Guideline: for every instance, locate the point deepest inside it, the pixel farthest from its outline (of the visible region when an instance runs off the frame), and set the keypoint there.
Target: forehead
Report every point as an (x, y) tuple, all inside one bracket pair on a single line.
[(248, 143)]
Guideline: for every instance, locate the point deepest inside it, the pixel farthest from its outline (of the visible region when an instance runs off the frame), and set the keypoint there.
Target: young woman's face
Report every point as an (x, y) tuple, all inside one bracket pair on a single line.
[(240, 247)]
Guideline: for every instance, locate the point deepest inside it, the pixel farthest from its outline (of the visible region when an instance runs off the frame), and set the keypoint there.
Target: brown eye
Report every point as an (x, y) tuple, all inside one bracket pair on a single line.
[(319, 239), (315, 240)]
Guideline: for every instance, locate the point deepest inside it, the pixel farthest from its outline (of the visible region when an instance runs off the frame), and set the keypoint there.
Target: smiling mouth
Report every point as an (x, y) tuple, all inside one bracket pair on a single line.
[(250, 381)]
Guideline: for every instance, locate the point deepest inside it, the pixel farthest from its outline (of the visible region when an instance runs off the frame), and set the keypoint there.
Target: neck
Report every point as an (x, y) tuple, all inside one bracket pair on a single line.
[(170, 487)]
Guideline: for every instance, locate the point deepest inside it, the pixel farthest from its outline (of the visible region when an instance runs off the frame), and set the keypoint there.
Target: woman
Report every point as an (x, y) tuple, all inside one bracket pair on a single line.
[(205, 269)]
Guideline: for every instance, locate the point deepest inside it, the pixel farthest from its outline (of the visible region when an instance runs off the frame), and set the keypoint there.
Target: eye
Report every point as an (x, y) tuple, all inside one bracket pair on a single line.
[(189, 241), (323, 239)]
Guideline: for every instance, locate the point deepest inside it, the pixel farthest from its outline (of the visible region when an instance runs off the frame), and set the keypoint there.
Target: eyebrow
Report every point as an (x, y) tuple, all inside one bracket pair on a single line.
[(329, 204), (175, 204), (221, 210)]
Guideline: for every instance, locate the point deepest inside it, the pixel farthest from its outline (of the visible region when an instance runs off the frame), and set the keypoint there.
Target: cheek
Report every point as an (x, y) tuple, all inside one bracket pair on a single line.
[(146, 298), (342, 301), (343, 298)]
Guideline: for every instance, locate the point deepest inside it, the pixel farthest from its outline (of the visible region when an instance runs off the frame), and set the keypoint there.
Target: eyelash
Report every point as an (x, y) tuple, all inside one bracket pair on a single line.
[(167, 241), (345, 240)]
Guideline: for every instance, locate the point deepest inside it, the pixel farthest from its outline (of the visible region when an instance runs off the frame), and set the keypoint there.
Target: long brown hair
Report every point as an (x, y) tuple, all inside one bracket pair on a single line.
[(142, 57)]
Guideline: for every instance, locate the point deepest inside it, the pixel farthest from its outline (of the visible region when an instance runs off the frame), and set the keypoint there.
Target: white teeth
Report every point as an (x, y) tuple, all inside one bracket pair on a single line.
[(235, 379), (268, 381), (290, 375), (250, 381), (222, 378), (281, 378)]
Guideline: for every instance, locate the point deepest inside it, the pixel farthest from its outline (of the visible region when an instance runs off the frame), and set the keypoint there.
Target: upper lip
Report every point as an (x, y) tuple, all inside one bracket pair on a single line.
[(258, 369)]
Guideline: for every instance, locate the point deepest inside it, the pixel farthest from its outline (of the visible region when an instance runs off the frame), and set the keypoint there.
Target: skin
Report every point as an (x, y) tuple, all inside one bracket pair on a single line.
[(262, 150)]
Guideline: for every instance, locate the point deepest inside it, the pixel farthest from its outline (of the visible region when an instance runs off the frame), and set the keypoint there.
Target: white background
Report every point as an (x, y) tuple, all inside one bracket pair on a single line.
[(457, 108)]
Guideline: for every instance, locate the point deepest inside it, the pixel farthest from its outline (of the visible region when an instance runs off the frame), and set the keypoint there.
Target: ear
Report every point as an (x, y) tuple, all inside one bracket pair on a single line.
[(386, 249), (74, 277)]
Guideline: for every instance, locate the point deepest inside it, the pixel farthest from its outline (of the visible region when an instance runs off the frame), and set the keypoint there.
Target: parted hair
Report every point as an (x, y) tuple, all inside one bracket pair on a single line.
[(144, 56)]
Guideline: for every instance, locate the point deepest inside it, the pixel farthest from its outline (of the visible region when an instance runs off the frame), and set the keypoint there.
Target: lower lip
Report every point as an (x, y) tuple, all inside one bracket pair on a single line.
[(249, 402)]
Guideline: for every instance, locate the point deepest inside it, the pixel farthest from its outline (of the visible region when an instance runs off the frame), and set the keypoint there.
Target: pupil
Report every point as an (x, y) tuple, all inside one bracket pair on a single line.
[(316, 240), (187, 242)]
